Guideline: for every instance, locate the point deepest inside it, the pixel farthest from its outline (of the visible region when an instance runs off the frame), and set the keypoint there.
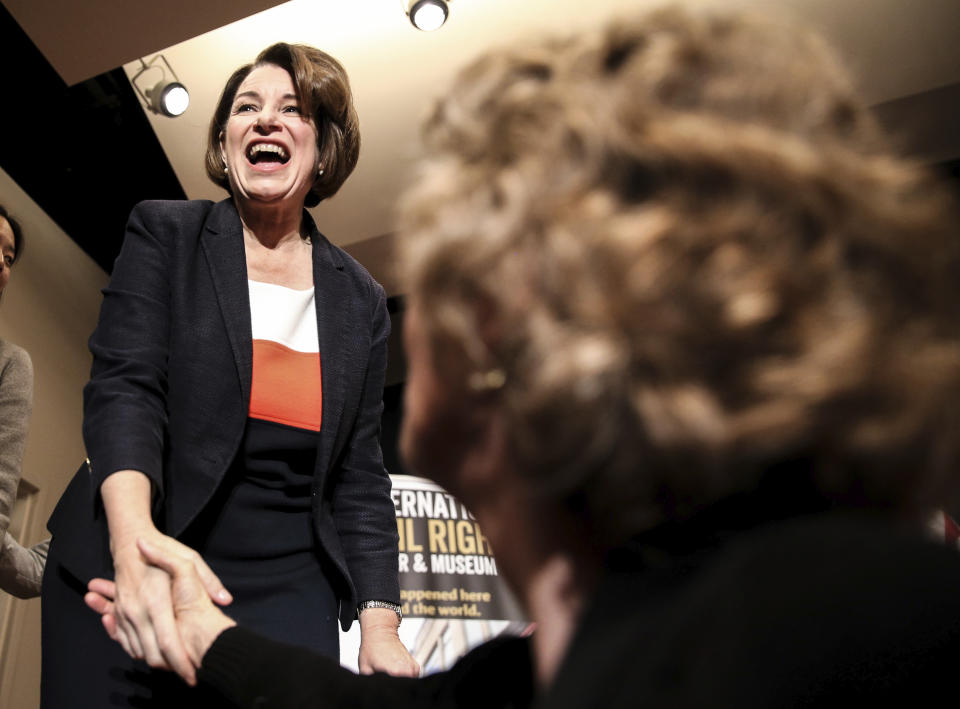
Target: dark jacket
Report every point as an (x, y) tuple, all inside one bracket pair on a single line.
[(169, 392)]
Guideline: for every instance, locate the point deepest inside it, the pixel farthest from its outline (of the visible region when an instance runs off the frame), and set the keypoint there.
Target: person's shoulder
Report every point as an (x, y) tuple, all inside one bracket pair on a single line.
[(855, 548), (822, 566), (170, 222), (814, 607), (835, 597), (15, 359), (172, 208)]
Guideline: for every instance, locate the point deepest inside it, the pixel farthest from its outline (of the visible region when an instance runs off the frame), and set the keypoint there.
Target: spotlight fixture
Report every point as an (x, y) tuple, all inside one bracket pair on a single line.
[(167, 96), (427, 15)]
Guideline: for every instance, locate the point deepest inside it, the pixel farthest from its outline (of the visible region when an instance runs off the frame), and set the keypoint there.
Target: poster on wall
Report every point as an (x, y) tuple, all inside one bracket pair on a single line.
[(450, 590)]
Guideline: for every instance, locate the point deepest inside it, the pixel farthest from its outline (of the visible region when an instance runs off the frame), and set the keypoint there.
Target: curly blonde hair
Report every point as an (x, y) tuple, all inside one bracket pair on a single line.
[(686, 245)]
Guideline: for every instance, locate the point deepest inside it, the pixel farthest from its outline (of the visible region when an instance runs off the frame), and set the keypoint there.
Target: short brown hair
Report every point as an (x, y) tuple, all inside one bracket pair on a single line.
[(322, 86), (701, 266)]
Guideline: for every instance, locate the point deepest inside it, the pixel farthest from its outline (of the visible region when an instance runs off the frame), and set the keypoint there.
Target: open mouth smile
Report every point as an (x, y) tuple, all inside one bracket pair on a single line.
[(267, 153)]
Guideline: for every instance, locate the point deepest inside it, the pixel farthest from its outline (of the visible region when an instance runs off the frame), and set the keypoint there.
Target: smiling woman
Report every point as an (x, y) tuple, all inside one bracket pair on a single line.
[(233, 410), (315, 89), (269, 147)]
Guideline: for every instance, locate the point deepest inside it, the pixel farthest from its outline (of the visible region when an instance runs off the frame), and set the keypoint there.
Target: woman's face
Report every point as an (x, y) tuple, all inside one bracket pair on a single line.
[(269, 145), (8, 249)]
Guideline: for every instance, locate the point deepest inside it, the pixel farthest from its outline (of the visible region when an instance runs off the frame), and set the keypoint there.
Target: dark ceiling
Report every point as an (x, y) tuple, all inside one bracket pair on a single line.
[(85, 153)]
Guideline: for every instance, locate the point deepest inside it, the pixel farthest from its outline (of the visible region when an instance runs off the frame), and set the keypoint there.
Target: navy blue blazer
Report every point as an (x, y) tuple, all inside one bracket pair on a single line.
[(169, 392)]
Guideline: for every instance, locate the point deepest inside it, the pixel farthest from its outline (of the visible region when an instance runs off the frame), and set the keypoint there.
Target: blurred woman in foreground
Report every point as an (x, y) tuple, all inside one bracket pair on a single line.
[(685, 338)]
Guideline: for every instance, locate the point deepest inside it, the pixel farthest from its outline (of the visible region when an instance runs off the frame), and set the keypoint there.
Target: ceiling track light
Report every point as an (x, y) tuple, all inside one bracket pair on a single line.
[(166, 96), (427, 15)]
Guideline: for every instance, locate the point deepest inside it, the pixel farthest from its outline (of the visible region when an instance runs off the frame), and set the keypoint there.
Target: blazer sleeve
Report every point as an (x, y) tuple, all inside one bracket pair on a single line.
[(124, 403), (362, 508), (16, 405)]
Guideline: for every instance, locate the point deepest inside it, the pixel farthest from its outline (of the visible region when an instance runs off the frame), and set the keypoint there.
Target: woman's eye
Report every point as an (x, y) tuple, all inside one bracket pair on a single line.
[(292, 109), (245, 108)]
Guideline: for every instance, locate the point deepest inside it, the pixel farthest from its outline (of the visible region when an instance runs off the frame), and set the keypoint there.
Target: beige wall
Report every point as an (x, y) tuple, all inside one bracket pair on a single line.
[(49, 308)]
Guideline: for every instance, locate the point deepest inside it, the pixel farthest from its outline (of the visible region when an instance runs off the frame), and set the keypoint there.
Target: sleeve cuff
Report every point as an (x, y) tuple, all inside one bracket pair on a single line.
[(225, 666)]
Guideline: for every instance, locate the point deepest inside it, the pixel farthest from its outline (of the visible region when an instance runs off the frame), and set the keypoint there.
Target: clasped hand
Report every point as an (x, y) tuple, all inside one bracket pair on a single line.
[(162, 589), (172, 621)]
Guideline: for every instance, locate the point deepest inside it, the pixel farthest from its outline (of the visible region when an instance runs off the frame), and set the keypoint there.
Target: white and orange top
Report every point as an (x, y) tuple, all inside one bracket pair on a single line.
[(286, 387)]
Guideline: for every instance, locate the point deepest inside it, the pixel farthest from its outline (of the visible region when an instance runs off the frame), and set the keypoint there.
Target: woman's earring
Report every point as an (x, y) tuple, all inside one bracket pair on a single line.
[(319, 171), (490, 380)]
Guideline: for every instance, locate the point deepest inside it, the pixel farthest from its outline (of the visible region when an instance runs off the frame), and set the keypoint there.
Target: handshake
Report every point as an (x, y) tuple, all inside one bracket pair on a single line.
[(146, 629), (163, 609)]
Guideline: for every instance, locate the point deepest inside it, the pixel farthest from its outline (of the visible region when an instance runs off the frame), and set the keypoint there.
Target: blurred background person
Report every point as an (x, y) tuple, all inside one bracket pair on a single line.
[(21, 569), (683, 334), (226, 332)]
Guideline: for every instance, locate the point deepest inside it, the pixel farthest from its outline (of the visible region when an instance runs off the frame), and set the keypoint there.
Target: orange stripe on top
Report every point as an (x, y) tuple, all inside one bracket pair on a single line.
[(286, 386)]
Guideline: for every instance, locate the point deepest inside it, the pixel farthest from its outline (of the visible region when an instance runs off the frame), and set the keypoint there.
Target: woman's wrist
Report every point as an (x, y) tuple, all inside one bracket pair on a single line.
[(199, 634), (126, 501), (379, 619)]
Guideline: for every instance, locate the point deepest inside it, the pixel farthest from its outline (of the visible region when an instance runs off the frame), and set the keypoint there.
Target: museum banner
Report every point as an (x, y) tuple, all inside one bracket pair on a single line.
[(447, 567)]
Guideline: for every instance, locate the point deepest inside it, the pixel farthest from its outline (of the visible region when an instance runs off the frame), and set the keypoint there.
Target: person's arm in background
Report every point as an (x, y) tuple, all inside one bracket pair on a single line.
[(21, 570), (364, 514)]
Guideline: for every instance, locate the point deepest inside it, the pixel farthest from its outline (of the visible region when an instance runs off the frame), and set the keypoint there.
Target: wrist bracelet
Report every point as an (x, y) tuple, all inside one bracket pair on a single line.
[(381, 604)]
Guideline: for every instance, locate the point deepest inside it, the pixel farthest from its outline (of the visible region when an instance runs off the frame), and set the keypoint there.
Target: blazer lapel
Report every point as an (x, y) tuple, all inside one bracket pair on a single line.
[(222, 243), (334, 315)]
